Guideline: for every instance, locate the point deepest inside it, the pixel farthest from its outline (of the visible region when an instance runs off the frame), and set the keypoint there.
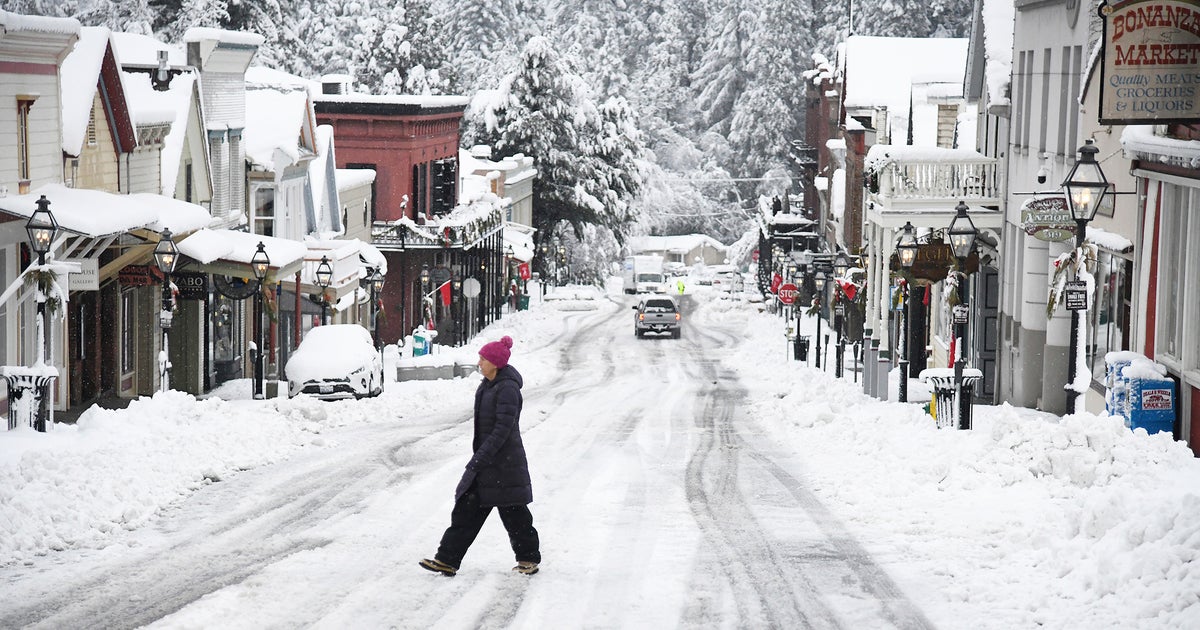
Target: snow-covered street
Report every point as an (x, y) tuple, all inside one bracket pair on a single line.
[(706, 482)]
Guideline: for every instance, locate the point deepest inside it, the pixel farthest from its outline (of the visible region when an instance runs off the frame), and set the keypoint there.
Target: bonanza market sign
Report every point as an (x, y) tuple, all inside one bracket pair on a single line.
[(1151, 68), (1048, 219)]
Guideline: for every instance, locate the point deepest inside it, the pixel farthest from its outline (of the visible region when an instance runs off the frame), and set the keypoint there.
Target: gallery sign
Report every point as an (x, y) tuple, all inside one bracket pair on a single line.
[(1151, 68), (88, 277)]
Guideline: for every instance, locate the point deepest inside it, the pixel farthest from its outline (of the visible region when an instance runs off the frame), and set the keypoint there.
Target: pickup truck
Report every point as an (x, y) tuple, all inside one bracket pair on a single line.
[(658, 315)]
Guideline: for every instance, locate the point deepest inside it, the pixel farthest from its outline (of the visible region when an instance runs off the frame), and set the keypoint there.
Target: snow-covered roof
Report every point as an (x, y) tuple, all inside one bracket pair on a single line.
[(99, 213), (678, 244), (173, 106), (880, 155), (348, 178), (206, 246), (275, 120), (396, 99), (520, 239), (1140, 142), (15, 22), (336, 249), (880, 71), (80, 77), (998, 19), (137, 50), (198, 34), (837, 193)]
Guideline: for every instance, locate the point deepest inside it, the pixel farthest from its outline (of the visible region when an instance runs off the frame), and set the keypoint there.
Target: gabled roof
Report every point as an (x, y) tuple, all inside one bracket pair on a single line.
[(138, 54), (91, 67), (280, 125)]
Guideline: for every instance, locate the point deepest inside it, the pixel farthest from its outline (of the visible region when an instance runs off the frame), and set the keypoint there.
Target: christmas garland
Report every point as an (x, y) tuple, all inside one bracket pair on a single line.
[(45, 280), (1067, 267)]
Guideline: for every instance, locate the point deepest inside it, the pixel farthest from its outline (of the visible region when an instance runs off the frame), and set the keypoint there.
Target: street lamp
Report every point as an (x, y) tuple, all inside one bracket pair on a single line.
[(324, 279), (459, 320), (1085, 186), (819, 283), (962, 240), (376, 282), (906, 251), (42, 229), (562, 261), (165, 256), (260, 263), (841, 266)]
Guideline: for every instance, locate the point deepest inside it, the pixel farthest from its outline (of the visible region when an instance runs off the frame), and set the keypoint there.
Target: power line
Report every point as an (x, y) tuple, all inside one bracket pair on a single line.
[(784, 178)]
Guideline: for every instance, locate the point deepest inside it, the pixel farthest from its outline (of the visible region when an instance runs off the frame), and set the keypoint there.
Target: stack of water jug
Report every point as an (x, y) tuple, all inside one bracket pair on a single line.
[(1140, 391)]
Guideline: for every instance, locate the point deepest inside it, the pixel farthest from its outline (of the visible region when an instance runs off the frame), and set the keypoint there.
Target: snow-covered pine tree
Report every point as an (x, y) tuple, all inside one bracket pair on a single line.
[(204, 13), (770, 112), (721, 77), (543, 109), (893, 18)]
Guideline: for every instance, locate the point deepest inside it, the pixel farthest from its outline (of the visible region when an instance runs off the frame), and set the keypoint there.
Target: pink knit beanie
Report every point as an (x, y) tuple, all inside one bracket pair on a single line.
[(497, 352)]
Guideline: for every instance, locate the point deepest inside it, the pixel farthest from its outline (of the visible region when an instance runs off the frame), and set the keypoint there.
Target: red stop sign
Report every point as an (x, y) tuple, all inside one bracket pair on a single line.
[(788, 293)]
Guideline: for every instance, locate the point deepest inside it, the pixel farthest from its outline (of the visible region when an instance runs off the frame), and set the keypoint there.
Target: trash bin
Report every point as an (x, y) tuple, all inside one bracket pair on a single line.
[(945, 413), (522, 302), (1151, 404), (802, 348)]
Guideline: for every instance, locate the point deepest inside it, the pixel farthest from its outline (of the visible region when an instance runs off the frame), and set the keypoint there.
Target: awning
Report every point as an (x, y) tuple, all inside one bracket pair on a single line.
[(228, 252), (520, 239), (95, 213), (348, 259)]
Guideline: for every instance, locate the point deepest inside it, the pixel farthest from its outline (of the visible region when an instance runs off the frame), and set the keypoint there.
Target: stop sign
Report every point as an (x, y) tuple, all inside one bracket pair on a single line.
[(788, 293)]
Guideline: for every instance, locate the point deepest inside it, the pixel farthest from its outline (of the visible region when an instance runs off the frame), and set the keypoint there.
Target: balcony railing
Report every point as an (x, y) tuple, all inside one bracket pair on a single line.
[(933, 175)]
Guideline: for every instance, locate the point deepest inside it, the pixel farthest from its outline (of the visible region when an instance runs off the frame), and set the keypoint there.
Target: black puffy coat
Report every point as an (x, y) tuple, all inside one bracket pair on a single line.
[(502, 472)]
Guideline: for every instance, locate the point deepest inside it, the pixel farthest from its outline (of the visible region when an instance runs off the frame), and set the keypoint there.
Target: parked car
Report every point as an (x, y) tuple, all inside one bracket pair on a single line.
[(657, 315), (334, 362)]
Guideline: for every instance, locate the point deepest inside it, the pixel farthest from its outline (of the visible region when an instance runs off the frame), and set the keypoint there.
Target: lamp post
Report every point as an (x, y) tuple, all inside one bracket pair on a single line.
[(324, 279), (42, 229), (424, 289), (459, 320), (962, 240), (841, 266), (165, 256), (819, 283), (906, 251), (376, 281), (1085, 186), (260, 263)]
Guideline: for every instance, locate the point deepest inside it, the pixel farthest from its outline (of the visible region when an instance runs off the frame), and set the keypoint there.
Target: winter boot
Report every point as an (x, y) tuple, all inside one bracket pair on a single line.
[(528, 568), (437, 566)]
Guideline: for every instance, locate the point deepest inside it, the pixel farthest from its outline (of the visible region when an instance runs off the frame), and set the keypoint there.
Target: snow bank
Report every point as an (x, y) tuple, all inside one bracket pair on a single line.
[(1029, 520)]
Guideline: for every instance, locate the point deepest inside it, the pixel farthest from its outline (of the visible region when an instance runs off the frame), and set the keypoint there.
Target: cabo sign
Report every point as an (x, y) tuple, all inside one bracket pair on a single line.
[(1151, 69)]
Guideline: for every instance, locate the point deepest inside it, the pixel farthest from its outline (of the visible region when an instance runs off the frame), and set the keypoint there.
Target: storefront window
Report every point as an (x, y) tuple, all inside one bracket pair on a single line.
[(1109, 329), (127, 331), (225, 329), (1178, 276)]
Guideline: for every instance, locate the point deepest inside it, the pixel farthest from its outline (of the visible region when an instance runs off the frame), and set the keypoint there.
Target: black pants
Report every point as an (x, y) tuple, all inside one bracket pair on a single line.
[(467, 519)]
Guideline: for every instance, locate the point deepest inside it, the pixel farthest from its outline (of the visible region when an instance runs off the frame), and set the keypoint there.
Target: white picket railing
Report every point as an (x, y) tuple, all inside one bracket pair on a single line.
[(915, 180)]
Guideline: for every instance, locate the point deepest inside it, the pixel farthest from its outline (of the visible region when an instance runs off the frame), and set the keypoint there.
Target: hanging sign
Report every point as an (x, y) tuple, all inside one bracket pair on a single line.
[(139, 276), (1048, 219), (1151, 68), (933, 262), (962, 313), (234, 288), (88, 276), (192, 286), (523, 271), (776, 280), (1075, 295)]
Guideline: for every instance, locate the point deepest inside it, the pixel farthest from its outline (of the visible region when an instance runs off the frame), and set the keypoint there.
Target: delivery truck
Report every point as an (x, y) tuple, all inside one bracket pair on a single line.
[(644, 274)]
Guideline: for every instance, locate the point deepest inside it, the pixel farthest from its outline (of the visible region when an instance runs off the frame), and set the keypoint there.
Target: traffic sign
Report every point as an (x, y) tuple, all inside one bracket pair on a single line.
[(788, 293)]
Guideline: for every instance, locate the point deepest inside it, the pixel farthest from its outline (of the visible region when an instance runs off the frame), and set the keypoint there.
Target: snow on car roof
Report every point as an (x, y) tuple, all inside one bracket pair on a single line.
[(330, 352)]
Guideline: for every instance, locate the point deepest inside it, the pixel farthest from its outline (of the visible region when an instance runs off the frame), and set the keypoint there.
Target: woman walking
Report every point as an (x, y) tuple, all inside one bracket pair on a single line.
[(498, 473)]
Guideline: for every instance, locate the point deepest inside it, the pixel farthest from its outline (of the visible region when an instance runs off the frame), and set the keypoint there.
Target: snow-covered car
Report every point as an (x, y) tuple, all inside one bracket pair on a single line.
[(334, 362)]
